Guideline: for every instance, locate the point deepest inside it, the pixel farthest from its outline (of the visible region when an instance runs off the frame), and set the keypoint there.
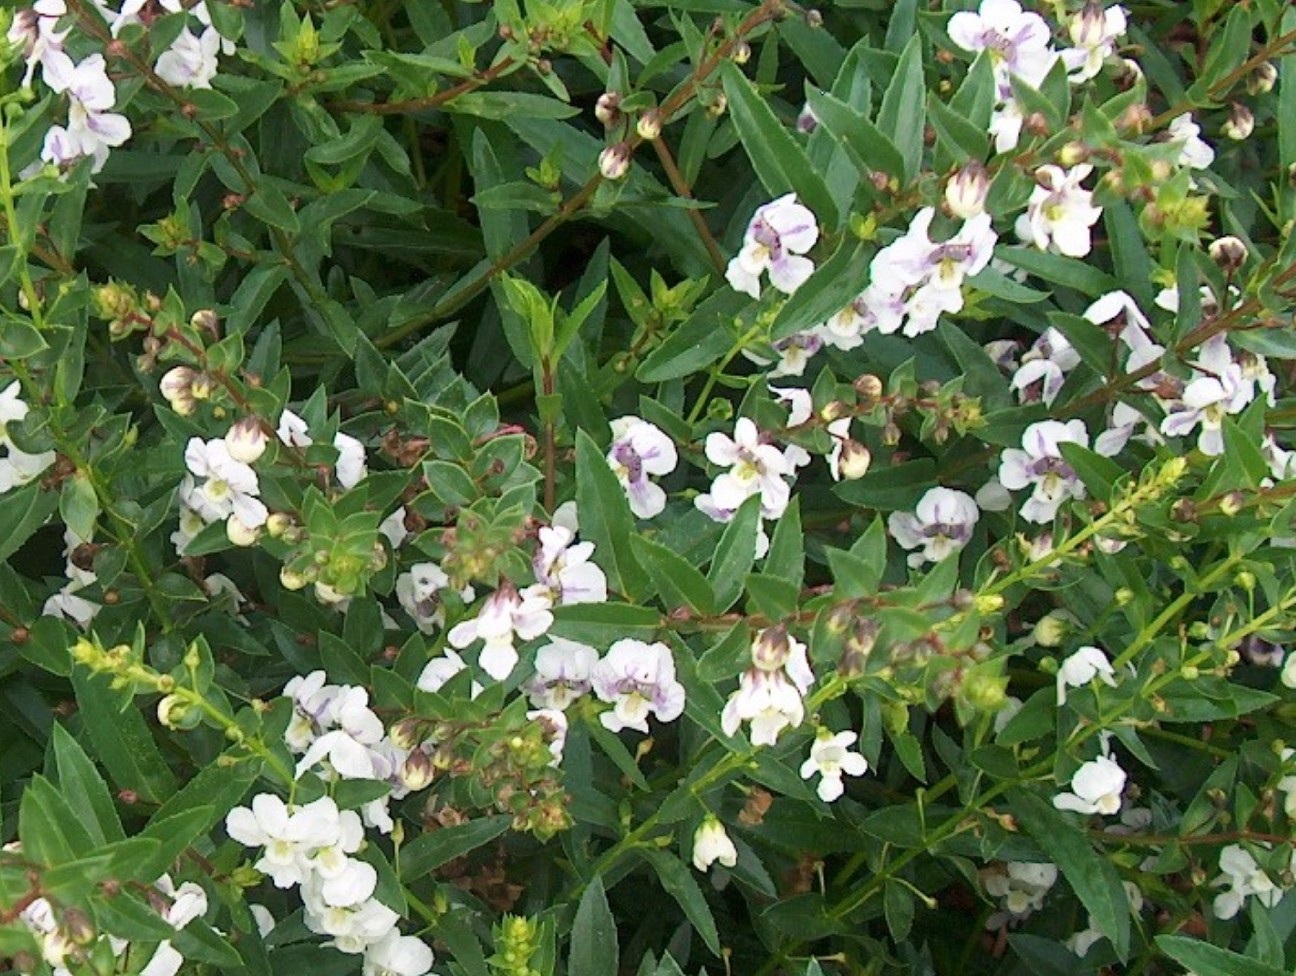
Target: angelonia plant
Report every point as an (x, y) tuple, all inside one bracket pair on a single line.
[(605, 486)]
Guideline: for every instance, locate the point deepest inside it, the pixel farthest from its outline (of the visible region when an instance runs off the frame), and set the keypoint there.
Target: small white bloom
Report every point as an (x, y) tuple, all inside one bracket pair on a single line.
[(351, 469), (1245, 879), (562, 673), (640, 449), (190, 61), (1047, 362), (1021, 886), (638, 679), (1081, 668), (1194, 151), (779, 233), (503, 617), (1218, 389), (1094, 32), (564, 571), (770, 697), (711, 843), (831, 757), (1060, 211), (1040, 463), (1019, 42), (942, 524), (397, 955), (755, 468), (1096, 788), (229, 487)]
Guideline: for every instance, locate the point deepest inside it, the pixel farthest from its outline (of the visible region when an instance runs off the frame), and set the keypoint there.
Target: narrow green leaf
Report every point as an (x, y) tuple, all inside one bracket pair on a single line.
[(735, 554), (698, 341), (903, 115), (121, 738), (1092, 877), (79, 505), (1205, 959), (680, 884), (594, 949), (786, 556), (428, 852), (22, 512), (678, 583), (83, 787), (864, 141), (780, 162)]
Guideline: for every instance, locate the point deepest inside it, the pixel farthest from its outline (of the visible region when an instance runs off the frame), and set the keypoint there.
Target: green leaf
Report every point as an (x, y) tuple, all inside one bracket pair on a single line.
[(22, 512), (1059, 269), (428, 852), (174, 834), (1205, 959), (863, 140), (1092, 876), (903, 113), (590, 623), (734, 554), (19, 339), (79, 505), (698, 341), (605, 517), (50, 832), (1098, 473), (594, 948), (678, 583), (962, 139), (780, 162), (680, 884), (502, 105), (786, 556), (834, 285), (898, 906), (121, 737), (271, 207), (83, 787)]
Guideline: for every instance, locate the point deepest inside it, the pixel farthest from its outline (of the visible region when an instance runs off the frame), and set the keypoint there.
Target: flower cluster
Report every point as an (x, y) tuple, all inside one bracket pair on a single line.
[(771, 692)]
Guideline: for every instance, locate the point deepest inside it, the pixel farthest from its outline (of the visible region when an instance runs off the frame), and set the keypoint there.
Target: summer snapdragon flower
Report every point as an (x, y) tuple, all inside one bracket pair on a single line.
[(770, 694), (640, 449), (1081, 668), (711, 843), (1218, 389), (1244, 879), (347, 745), (755, 468), (1047, 362), (564, 571), (942, 524), (92, 130), (1060, 211), (418, 590), (286, 835), (190, 61), (397, 955), (1019, 42), (1094, 32), (1040, 463), (638, 680), (228, 489), (562, 673), (504, 617), (1194, 151), (1021, 886), (778, 236), (831, 758), (1095, 788)]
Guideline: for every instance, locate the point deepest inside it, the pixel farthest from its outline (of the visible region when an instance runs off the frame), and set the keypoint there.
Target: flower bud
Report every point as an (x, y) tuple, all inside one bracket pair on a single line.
[(1240, 123), (649, 125), (868, 386), (1052, 629), (177, 387), (608, 109), (1072, 154), (278, 523), (246, 441), (1088, 29), (290, 579), (741, 53), (717, 106), (965, 191), (1262, 79), (711, 843), (807, 121), (174, 712), (614, 161), (771, 648), (240, 533), (854, 461), (407, 733), (205, 320), (417, 771), (1229, 253)]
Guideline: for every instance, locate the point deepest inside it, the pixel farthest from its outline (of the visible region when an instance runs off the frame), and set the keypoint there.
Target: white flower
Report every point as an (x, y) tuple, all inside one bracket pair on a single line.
[(1021, 886), (1093, 32), (503, 617), (1047, 362), (638, 679), (1096, 788), (287, 835), (346, 747), (1194, 151), (770, 697), (229, 487), (1288, 674), (799, 403), (166, 961), (397, 955), (553, 723), (711, 843), (352, 927), (563, 569), (419, 592), (190, 62), (441, 669), (779, 233), (1019, 42), (1287, 784), (941, 524), (188, 902), (17, 467), (755, 468), (831, 757), (1041, 464), (393, 527), (351, 469), (1244, 878), (91, 130), (1081, 668), (1060, 211), (1218, 389), (562, 673), (292, 430), (640, 449)]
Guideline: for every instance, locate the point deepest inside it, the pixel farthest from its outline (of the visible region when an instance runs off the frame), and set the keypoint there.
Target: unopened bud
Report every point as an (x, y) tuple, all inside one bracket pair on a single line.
[(614, 161), (965, 191), (1232, 503), (1052, 629), (868, 386), (290, 579), (1262, 79), (205, 320), (1240, 123), (246, 440), (1073, 153), (649, 125), (807, 121), (174, 712), (741, 53), (277, 524), (608, 109), (240, 533), (1229, 253), (891, 434), (417, 771), (771, 648), (854, 461), (717, 106)]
